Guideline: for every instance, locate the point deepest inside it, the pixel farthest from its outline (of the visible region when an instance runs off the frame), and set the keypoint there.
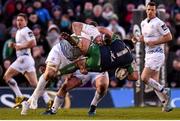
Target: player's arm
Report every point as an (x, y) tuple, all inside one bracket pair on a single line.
[(28, 44), (133, 73), (163, 39), (30, 40), (77, 27), (104, 30), (109, 35), (164, 31), (79, 63)]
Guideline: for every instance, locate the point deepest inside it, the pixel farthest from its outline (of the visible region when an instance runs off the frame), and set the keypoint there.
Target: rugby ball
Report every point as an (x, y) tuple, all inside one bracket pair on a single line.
[(121, 73)]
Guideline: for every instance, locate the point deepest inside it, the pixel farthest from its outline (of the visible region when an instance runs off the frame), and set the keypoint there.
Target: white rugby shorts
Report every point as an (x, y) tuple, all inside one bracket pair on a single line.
[(57, 57), (91, 76), (154, 61), (24, 64)]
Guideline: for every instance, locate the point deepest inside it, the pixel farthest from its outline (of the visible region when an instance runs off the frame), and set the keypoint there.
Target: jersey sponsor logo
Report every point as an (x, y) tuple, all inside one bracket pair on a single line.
[(112, 56), (30, 34), (164, 27)]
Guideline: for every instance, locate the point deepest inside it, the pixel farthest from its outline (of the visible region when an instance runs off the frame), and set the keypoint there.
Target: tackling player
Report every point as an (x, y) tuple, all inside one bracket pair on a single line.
[(59, 56)]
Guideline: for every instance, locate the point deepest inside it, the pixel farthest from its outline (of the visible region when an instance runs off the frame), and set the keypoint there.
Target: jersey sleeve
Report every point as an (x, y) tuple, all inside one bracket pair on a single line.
[(162, 28), (28, 34), (90, 30)]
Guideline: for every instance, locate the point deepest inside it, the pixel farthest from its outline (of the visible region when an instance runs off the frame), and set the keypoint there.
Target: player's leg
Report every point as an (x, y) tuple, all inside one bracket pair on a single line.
[(159, 94), (49, 73), (165, 99), (146, 77), (32, 78), (39, 90), (68, 84), (101, 84), (11, 72)]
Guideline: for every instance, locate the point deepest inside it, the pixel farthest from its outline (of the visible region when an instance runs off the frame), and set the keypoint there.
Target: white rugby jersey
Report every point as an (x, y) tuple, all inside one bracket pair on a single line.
[(90, 30), (24, 35), (153, 30)]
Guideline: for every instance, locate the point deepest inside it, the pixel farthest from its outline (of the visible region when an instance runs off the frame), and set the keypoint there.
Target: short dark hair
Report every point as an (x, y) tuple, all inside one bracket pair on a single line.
[(152, 3), (23, 15)]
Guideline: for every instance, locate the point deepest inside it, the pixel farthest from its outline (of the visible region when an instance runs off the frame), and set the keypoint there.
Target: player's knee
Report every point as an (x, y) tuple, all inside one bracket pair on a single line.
[(64, 87), (6, 78), (33, 84), (102, 88), (50, 74), (144, 78), (50, 71)]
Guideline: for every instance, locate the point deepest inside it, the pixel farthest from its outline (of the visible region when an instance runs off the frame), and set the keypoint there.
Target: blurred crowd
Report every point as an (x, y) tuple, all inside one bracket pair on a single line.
[(47, 18)]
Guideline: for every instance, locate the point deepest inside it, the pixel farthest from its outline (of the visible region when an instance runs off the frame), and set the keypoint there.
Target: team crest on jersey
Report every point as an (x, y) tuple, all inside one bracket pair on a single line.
[(30, 34), (164, 27)]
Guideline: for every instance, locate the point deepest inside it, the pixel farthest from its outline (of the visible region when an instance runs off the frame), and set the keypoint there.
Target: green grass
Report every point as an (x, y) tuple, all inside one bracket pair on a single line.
[(102, 113)]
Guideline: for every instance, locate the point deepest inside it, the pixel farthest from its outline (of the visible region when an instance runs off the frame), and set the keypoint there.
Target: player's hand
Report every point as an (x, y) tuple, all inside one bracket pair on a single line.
[(81, 63), (11, 44), (65, 35), (83, 71), (17, 47), (138, 38), (141, 38), (150, 43)]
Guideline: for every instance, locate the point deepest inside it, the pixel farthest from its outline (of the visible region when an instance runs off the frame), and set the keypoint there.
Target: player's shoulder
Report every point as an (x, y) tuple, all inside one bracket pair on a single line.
[(26, 29), (158, 21), (144, 21)]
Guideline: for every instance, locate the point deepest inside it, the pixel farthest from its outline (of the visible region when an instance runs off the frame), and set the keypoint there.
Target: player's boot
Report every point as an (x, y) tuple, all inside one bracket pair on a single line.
[(25, 107), (19, 100), (49, 104), (49, 112), (34, 104), (92, 110), (166, 105)]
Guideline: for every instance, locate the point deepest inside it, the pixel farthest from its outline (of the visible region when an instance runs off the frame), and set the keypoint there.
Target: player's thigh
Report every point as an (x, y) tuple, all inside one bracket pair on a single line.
[(10, 72), (73, 82), (102, 80), (51, 71), (155, 76), (147, 73), (32, 78), (68, 85)]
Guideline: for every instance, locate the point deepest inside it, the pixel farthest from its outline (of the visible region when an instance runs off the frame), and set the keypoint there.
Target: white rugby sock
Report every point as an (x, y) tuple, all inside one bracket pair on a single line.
[(46, 97), (58, 101), (13, 85), (153, 83), (160, 96), (97, 98), (39, 88)]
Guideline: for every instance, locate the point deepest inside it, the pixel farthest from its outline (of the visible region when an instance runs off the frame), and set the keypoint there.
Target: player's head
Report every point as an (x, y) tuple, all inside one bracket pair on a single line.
[(21, 20), (151, 10)]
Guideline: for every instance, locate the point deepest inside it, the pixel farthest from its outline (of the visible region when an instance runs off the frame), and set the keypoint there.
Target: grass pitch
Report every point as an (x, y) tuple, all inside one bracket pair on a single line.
[(101, 114)]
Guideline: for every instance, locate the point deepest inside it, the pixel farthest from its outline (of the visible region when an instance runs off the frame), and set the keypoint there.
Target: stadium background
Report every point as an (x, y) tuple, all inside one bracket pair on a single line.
[(60, 14)]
